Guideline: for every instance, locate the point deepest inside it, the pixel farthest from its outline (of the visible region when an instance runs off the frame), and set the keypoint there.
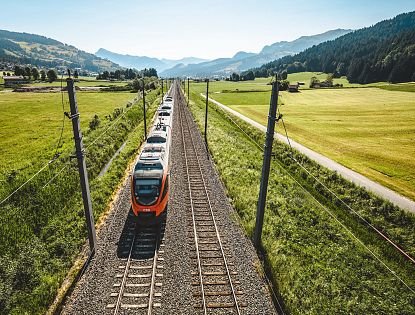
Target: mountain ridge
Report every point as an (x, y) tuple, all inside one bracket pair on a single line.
[(140, 62), (26, 48), (225, 66)]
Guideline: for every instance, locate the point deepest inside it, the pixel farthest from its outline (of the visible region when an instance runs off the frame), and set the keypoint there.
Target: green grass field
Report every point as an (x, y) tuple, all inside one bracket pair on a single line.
[(30, 124), (306, 76), (42, 229), (82, 83), (317, 267), (261, 84), (369, 130)]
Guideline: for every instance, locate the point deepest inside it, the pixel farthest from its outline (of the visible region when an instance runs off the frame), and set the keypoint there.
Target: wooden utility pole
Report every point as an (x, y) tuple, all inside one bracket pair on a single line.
[(144, 112), (188, 90), (269, 139), (83, 173)]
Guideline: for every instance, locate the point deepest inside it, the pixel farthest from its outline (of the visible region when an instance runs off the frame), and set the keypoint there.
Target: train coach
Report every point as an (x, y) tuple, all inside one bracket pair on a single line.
[(150, 176)]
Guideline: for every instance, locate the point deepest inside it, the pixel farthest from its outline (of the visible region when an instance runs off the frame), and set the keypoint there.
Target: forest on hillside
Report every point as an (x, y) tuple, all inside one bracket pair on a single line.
[(383, 52), (43, 52)]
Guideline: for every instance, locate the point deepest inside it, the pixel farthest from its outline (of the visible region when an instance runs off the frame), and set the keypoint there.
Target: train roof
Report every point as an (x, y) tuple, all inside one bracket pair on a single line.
[(151, 156), (153, 147)]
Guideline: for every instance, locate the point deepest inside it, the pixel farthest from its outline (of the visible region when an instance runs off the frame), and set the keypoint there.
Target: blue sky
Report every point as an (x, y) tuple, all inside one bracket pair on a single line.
[(179, 28)]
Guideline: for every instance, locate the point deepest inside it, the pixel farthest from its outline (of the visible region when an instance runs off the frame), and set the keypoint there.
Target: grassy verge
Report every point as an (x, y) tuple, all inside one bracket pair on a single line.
[(369, 130), (317, 266), (43, 229)]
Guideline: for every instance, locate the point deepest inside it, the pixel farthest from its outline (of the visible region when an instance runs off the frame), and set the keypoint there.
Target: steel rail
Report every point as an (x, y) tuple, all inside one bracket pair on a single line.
[(210, 210), (193, 215), (124, 278), (157, 232), (153, 275)]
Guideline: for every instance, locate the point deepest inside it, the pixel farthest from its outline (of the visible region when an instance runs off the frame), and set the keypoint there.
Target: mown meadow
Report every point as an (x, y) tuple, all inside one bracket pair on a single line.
[(42, 228), (369, 130), (31, 123), (321, 257)]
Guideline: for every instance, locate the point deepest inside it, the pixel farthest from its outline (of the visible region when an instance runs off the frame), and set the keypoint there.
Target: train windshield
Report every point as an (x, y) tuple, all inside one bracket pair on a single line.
[(140, 166), (156, 139), (147, 191)]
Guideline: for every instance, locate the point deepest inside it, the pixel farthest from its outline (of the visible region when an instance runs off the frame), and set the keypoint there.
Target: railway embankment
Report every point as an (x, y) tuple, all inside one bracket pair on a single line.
[(164, 278)]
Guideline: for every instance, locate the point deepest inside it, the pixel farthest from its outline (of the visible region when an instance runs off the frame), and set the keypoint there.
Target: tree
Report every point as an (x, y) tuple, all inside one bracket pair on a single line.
[(249, 75), (35, 74), (75, 74), (284, 85), (329, 79), (105, 75), (28, 72), (234, 77), (313, 81), (94, 123), (284, 75), (151, 72), (136, 85), (42, 75), (18, 70), (51, 74)]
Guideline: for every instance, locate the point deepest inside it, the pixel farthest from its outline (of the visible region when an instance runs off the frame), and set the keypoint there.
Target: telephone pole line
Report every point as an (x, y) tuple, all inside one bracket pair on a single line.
[(272, 120), (83, 173)]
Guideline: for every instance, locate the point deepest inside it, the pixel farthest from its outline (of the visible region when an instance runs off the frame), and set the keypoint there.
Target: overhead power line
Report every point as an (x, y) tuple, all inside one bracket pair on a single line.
[(332, 215), (29, 180)]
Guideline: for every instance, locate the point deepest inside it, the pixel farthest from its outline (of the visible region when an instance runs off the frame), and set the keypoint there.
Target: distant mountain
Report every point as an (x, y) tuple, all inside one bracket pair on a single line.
[(243, 60), (140, 62), (38, 50), (242, 55), (382, 52)]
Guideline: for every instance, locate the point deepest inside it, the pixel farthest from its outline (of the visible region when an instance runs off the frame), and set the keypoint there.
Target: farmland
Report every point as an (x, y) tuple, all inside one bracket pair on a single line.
[(30, 124), (369, 130), (317, 266), (82, 83)]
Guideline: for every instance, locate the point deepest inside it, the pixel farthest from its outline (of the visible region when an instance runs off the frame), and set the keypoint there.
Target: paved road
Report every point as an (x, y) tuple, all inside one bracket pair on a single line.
[(358, 179)]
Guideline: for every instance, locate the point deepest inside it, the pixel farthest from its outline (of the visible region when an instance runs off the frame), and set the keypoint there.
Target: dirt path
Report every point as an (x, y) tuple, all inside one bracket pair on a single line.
[(358, 179)]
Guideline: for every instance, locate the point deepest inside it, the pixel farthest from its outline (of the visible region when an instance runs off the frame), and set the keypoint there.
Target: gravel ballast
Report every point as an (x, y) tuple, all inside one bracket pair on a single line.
[(92, 293)]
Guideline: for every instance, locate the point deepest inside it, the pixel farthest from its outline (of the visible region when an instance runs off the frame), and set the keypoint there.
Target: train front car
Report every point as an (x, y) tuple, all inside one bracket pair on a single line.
[(150, 178), (150, 181)]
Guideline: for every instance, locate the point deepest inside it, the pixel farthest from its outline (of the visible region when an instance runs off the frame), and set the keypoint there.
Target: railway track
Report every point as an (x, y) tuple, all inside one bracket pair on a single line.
[(137, 285), (215, 287)]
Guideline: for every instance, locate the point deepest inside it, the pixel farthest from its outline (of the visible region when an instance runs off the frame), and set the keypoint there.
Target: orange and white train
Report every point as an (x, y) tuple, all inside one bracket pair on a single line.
[(150, 176)]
